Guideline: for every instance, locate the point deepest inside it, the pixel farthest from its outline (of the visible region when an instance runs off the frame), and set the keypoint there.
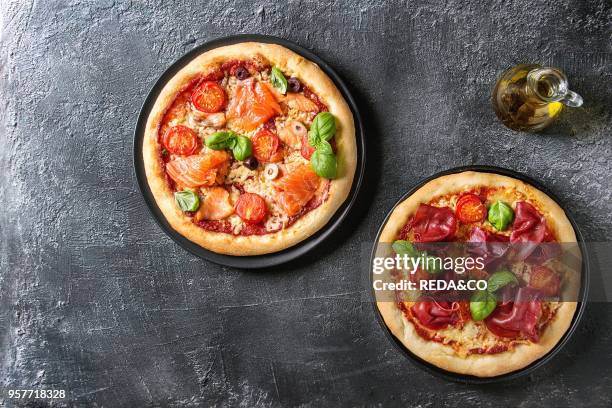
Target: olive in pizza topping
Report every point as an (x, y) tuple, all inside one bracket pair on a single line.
[(294, 85), (251, 163), (242, 73), (271, 171)]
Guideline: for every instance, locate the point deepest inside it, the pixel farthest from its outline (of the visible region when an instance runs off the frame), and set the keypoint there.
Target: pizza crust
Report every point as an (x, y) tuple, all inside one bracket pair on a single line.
[(346, 151), (443, 356), (479, 365)]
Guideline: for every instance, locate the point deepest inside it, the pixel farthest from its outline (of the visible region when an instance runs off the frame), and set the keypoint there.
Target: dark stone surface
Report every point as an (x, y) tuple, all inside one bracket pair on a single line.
[(96, 300)]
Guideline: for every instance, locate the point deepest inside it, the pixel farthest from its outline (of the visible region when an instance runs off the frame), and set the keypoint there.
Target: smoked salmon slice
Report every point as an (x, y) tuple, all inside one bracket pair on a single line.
[(293, 133), (296, 189), (293, 100), (197, 170), (300, 102), (215, 205), (252, 105)]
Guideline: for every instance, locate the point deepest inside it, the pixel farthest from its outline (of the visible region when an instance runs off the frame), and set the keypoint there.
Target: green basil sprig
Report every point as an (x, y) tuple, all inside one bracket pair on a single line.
[(500, 279), (240, 146), (324, 164), (482, 304), (187, 200), (431, 264), (221, 140), (500, 215), (323, 128), (278, 80), (323, 161), (402, 247)]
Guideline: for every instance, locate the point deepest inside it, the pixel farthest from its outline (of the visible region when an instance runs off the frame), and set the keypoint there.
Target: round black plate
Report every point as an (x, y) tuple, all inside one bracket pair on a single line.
[(259, 261), (536, 364)]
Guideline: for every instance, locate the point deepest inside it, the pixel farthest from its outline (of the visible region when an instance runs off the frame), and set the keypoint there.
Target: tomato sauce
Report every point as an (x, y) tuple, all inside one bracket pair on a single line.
[(230, 67), (215, 225), (313, 97)]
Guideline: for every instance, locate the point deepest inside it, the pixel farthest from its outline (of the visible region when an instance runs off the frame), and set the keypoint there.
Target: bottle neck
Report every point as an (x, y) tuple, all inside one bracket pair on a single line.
[(547, 84), (550, 85)]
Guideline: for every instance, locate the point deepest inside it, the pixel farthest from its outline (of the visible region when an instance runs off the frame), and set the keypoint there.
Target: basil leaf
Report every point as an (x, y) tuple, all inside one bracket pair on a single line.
[(324, 164), (500, 279), (231, 143), (432, 265), (278, 80), (313, 138), (242, 148), (323, 128), (500, 215), (402, 247), (187, 200), (482, 304), (325, 147), (220, 140)]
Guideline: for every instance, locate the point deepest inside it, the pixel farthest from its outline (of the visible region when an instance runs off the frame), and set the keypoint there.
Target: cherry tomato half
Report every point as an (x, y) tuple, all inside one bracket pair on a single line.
[(251, 208), (470, 209), (306, 150), (181, 140), (265, 145), (209, 97)]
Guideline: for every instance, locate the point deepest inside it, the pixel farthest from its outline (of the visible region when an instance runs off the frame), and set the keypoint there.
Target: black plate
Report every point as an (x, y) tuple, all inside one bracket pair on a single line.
[(259, 261), (536, 364)]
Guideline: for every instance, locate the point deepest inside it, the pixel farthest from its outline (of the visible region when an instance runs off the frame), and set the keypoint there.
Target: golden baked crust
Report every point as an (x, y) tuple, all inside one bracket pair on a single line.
[(444, 356), (346, 151)]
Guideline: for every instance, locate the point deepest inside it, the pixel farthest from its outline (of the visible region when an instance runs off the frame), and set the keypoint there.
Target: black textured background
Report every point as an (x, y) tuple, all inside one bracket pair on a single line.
[(96, 300)]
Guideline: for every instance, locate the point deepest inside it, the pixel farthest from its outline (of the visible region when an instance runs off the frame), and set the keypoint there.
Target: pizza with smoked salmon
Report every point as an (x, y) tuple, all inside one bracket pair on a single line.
[(249, 149), (530, 297)]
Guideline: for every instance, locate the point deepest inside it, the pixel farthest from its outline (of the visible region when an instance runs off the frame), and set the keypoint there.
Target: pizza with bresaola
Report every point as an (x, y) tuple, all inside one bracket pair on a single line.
[(522, 314)]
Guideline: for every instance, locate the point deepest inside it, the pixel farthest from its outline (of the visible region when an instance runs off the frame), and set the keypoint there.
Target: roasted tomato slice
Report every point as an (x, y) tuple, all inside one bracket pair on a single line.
[(470, 209), (545, 280), (306, 150), (181, 140), (209, 97), (265, 145), (251, 208), (278, 156)]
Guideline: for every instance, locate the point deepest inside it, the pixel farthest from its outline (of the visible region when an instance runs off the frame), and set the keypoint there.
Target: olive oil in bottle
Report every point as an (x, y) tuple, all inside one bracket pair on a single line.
[(529, 97)]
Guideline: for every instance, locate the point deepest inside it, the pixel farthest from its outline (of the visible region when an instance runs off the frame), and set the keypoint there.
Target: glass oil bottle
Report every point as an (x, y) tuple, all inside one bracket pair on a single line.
[(529, 97)]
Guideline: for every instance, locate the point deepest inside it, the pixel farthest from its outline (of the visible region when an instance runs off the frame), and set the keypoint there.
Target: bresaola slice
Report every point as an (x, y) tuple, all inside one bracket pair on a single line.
[(547, 249), (519, 317), (488, 245), (436, 315), (528, 229), (433, 224)]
